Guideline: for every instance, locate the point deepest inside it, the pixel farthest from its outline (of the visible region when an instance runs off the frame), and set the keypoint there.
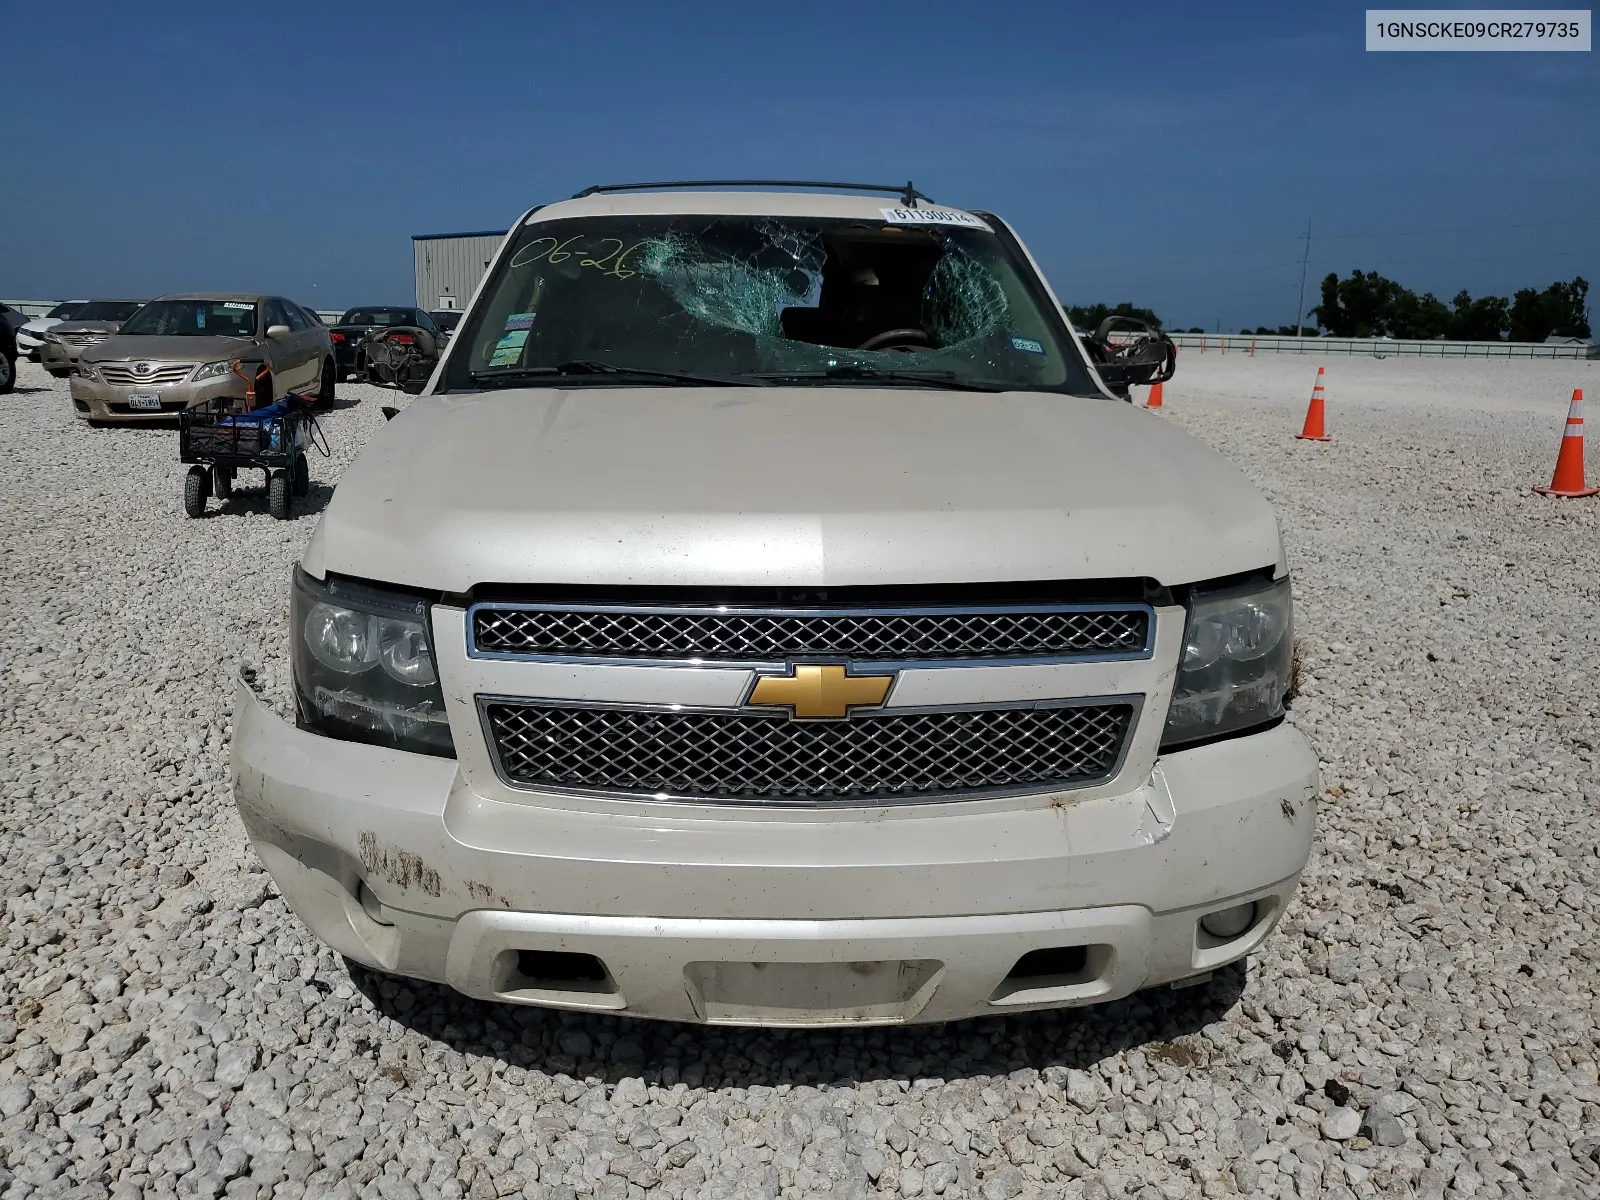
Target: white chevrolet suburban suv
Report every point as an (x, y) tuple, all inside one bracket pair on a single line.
[(772, 612)]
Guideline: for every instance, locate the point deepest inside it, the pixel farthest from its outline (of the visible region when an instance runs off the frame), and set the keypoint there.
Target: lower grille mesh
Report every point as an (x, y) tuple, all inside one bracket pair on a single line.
[(742, 756)]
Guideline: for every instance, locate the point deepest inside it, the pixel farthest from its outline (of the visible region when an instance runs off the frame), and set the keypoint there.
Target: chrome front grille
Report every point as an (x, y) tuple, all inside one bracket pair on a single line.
[(159, 374), (83, 339), (740, 756), (776, 635)]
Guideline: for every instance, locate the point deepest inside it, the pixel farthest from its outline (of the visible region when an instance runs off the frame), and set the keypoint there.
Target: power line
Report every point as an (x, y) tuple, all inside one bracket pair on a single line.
[(1462, 229)]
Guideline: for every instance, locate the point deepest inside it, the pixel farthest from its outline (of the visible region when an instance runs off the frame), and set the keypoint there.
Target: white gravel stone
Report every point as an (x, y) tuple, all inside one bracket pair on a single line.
[(1341, 1124), (168, 1027)]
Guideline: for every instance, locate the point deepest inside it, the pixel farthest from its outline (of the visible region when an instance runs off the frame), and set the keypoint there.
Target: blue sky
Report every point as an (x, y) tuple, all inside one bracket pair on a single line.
[(1164, 154)]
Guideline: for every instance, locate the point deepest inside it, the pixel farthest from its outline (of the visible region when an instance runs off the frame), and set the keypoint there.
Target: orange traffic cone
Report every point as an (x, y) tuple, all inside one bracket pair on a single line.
[(1154, 400), (1314, 431), (1568, 479)]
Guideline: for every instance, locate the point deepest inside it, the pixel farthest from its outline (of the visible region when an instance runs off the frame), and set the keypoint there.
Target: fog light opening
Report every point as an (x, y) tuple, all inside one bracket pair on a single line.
[(556, 968), (1228, 923), (1055, 961), (370, 904)]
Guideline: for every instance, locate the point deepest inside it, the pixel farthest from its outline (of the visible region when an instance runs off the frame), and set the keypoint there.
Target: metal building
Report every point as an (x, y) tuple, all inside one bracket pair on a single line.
[(449, 265)]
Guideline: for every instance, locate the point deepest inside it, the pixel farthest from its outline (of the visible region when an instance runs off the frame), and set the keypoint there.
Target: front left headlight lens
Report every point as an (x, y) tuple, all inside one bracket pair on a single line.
[(1237, 654), (47, 336), (85, 369), (211, 370), (364, 667)]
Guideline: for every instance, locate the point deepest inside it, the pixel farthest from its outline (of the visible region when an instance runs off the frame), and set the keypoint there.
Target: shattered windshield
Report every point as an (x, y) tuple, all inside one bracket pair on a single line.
[(766, 299)]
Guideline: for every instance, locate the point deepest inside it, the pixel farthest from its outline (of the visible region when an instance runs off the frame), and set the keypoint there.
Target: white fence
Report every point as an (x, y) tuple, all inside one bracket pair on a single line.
[(1244, 343)]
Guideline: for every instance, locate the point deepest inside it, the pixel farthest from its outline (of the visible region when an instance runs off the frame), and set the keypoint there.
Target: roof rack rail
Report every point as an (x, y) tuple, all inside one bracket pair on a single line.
[(908, 193)]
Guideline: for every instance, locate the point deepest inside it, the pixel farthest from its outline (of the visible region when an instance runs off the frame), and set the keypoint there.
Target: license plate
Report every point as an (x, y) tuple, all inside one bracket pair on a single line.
[(147, 403)]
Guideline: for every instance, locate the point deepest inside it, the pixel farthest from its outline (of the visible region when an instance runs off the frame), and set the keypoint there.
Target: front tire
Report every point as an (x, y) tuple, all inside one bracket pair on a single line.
[(8, 374), (302, 476), (222, 482), (279, 485), (196, 487), (56, 372)]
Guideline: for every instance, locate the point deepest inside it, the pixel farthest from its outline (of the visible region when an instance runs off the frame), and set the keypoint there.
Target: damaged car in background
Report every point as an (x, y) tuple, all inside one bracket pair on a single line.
[(89, 325), (772, 613)]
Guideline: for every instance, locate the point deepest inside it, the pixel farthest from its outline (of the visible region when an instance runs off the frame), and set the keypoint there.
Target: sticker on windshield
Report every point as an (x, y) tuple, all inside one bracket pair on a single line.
[(1027, 345), (237, 304), (931, 216), (508, 349), (200, 318), (519, 321)]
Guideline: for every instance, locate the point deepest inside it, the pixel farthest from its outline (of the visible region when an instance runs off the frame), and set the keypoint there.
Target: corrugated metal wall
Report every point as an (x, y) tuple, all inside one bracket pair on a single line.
[(448, 266)]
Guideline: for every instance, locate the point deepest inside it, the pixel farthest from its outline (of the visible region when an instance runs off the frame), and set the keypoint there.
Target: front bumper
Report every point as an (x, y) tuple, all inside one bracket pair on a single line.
[(874, 916), (58, 356), (94, 400)]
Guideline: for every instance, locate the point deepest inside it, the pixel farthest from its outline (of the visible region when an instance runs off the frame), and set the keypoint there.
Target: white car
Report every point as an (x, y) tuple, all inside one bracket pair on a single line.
[(770, 613), (30, 337)]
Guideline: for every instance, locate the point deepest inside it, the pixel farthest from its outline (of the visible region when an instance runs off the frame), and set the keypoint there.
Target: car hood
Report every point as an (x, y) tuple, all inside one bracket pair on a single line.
[(85, 327), (786, 486), (127, 347)]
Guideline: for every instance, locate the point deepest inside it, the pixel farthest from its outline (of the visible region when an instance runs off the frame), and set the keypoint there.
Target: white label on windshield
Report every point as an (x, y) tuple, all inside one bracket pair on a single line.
[(236, 304), (931, 216)]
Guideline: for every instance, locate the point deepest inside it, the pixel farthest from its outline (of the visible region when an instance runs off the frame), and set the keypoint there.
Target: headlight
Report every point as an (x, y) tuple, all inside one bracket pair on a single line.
[(50, 337), (1234, 673), (211, 370), (363, 666), (85, 369)]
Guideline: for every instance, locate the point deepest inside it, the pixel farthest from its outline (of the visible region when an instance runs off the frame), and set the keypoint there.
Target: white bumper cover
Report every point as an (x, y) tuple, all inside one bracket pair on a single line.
[(851, 916)]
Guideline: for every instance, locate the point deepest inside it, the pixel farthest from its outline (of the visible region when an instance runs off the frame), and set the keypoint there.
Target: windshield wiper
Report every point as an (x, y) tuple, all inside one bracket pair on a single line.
[(938, 379), (588, 367)]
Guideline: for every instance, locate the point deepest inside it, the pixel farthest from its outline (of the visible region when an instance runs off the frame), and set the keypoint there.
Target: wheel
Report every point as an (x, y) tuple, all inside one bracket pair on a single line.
[(264, 391), (325, 385), (196, 487), (222, 482), (8, 373), (279, 486), (302, 476), (58, 373)]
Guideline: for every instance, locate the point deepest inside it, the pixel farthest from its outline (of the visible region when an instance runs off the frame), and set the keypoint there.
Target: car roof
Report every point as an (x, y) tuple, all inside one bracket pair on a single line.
[(242, 297), (753, 204)]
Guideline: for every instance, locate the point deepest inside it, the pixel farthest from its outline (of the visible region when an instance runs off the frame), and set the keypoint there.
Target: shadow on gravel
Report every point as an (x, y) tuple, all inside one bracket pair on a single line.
[(25, 391), (1162, 1022), (251, 497)]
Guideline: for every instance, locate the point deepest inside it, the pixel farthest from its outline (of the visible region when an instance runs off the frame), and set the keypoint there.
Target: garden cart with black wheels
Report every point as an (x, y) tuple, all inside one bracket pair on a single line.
[(223, 435)]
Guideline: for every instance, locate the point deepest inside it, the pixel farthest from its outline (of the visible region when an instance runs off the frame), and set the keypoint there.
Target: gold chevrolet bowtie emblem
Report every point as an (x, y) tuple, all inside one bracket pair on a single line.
[(820, 691)]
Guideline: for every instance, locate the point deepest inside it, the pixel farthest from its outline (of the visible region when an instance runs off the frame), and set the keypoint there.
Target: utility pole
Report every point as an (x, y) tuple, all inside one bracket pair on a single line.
[(1300, 309)]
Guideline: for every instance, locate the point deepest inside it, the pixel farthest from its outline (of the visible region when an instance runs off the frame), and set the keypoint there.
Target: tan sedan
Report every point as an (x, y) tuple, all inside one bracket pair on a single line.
[(178, 351)]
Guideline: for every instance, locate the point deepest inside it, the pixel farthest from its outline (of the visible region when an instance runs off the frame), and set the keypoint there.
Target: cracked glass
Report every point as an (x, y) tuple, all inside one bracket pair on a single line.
[(760, 299)]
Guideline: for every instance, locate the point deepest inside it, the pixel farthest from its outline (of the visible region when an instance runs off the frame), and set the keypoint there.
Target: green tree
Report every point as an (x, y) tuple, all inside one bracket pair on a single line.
[(1485, 319), (1364, 305), (1089, 316), (1560, 310)]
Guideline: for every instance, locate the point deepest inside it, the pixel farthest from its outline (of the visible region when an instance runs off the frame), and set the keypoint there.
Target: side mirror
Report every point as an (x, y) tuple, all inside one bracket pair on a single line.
[(277, 331), (1127, 350)]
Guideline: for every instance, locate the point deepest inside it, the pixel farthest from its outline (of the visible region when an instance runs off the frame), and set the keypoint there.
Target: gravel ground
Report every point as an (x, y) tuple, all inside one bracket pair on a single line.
[(1423, 1025)]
